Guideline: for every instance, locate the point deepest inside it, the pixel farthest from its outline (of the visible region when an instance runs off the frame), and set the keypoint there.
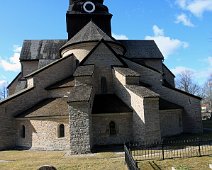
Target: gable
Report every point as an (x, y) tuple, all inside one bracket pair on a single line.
[(102, 56)]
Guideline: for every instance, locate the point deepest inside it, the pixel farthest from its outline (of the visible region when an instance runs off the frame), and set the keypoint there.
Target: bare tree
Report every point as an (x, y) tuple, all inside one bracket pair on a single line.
[(3, 92), (208, 92), (185, 82)]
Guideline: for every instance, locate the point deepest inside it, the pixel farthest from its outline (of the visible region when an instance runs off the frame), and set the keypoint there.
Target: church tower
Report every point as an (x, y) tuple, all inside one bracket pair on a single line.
[(80, 12)]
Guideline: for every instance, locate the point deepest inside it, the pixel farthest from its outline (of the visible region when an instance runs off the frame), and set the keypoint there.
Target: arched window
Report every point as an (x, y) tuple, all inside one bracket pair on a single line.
[(103, 85), (112, 128), (61, 131), (23, 131)]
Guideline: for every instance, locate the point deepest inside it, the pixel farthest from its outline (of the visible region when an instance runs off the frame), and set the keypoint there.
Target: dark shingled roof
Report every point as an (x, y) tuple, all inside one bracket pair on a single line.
[(141, 49), (109, 103), (126, 72), (50, 49), (87, 70), (166, 105), (68, 82), (41, 49), (47, 108), (90, 32), (80, 94), (142, 91)]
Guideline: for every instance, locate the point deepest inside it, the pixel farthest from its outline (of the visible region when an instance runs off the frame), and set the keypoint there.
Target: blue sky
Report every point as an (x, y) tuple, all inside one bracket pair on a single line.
[(181, 28)]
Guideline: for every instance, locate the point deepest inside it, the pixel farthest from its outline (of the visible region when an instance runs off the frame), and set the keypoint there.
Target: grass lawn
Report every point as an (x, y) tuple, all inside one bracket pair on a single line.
[(196, 163), (32, 160)]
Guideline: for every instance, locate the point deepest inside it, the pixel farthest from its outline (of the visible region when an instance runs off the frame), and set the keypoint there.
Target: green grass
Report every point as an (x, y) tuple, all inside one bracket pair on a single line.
[(32, 160), (196, 163)]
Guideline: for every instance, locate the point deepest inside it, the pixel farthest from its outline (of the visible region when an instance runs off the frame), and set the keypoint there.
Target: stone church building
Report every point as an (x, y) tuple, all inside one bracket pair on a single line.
[(92, 90)]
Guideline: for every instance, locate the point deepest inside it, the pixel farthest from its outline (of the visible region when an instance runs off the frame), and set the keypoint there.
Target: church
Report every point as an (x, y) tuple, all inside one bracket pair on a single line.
[(93, 90)]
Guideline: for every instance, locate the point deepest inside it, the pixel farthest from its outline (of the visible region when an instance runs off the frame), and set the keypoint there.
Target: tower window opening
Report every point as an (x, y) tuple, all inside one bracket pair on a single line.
[(112, 128)]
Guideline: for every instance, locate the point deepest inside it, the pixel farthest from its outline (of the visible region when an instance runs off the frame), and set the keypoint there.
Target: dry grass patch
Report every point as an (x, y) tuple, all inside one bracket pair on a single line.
[(32, 160), (196, 163)]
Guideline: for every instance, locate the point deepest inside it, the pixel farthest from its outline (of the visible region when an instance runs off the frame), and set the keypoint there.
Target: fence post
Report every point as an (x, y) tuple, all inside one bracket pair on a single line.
[(163, 151), (199, 145)]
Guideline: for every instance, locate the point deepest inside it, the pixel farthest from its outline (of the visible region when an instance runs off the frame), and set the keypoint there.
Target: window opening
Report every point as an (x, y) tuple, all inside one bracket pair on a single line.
[(103, 85), (23, 131), (112, 128), (61, 133)]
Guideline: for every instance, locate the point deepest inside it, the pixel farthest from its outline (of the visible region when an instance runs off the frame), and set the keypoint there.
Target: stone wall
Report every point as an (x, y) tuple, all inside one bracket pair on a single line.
[(169, 77), (192, 121), (171, 122), (42, 134), (12, 87), (146, 123), (103, 59), (28, 97), (80, 127), (154, 63), (7, 130), (147, 75), (152, 119), (79, 50), (101, 128), (28, 67)]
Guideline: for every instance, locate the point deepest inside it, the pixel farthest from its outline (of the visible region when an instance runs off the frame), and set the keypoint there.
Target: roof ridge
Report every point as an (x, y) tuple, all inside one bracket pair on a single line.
[(90, 32)]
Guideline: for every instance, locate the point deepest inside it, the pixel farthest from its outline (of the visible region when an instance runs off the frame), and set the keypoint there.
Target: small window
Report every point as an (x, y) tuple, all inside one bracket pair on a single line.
[(23, 131), (112, 128), (61, 131), (103, 85)]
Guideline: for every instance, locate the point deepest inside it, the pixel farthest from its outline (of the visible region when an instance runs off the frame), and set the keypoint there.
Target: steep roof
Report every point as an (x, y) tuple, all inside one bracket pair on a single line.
[(68, 82), (90, 32), (141, 49), (41, 49), (46, 108), (102, 41), (50, 49), (142, 91)]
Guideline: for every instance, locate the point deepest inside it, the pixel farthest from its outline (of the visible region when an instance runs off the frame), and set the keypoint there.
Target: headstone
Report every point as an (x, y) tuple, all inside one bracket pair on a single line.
[(47, 167), (173, 168), (210, 166)]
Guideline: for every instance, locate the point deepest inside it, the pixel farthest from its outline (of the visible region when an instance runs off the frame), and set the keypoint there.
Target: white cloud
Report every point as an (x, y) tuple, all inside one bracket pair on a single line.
[(181, 3), (196, 7), (180, 69), (2, 83), (12, 64), (210, 61), (200, 75), (120, 36), (182, 18), (166, 44)]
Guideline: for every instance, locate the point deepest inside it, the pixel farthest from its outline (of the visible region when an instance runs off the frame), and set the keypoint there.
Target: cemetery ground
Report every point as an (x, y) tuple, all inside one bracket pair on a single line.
[(32, 160), (195, 163)]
